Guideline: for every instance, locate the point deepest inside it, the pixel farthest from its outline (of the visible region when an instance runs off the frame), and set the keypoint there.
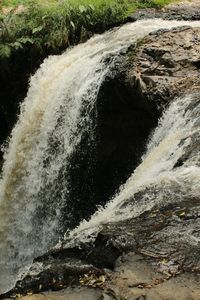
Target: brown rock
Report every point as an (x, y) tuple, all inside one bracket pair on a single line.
[(166, 64), (148, 284)]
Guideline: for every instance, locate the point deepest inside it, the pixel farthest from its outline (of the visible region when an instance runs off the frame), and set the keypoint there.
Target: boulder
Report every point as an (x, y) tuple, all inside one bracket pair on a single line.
[(166, 64)]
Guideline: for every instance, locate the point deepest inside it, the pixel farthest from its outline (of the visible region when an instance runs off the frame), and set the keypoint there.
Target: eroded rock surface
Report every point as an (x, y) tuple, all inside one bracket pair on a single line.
[(166, 64), (165, 239)]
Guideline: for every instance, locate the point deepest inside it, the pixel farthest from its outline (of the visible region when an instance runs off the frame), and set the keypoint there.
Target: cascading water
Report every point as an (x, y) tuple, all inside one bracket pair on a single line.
[(157, 181), (54, 116)]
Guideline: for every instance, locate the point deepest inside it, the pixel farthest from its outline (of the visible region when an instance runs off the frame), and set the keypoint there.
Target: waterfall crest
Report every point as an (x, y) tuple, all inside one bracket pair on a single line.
[(54, 116)]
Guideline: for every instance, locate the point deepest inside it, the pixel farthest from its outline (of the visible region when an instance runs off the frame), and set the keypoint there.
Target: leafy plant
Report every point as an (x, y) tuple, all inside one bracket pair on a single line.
[(55, 24)]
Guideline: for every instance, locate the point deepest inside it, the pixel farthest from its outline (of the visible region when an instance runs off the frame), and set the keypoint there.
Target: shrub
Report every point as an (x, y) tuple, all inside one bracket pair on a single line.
[(55, 24)]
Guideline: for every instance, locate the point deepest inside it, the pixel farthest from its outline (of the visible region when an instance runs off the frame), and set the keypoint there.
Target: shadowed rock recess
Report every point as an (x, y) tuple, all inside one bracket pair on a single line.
[(124, 122), (162, 242)]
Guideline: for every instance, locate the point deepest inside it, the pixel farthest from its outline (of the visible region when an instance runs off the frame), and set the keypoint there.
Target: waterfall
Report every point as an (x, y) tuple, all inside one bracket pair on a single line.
[(58, 110), (156, 180)]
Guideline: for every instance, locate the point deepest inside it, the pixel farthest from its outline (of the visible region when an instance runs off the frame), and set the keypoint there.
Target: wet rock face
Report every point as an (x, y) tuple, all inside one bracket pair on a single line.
[(166, 64), (162, 239), (125, 121)]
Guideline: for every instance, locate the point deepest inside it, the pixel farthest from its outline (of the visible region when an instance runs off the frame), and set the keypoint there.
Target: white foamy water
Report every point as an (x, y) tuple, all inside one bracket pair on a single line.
[(155, 182), (54, 115)]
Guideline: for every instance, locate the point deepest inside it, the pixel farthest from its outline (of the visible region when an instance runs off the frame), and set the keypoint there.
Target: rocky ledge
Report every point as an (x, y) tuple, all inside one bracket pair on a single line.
[(166, 64), (161, 262)]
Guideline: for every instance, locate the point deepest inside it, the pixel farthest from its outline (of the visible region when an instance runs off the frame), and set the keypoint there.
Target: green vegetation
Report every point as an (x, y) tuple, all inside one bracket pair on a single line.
[(56, 24), (51, 25)]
